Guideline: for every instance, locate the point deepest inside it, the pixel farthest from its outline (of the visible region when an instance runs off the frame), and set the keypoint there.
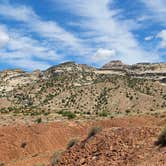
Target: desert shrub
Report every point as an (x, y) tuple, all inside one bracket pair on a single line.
[(46, 113), (71, 143), (35, 113), (131, 97), (2, 164), (103, 113), (38, 120), (127, 111), (23, 145), (55, 158), (162, 138), (68, 114), (93, 131)]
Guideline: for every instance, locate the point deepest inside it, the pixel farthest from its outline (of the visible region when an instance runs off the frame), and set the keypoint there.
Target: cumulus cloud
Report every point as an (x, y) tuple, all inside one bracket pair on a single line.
[(103, 55)]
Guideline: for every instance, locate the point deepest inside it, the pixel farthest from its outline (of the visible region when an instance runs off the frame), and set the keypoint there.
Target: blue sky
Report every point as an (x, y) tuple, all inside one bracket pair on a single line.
[(39, 34)]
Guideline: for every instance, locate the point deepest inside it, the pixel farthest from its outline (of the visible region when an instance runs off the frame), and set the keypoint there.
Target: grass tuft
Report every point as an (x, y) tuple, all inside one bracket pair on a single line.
[(93, 131), (71, 143)]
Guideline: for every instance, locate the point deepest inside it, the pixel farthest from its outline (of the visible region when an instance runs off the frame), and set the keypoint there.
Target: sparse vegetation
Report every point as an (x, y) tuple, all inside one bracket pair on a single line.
[(68, 114), (103, 114), (55, 158), (79, 90), (127, 111), (93, 131), (38, 120), (102, 100)]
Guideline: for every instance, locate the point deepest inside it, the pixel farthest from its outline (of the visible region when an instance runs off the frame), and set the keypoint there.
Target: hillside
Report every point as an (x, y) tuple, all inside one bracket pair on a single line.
[(114, 90)]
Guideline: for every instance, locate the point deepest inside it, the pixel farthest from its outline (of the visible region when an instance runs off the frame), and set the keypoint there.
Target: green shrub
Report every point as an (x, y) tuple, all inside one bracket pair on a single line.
[(71, 143), (38, 120), (46, 113), (103, 113), (127, 111), (68, 114), (131, 97)]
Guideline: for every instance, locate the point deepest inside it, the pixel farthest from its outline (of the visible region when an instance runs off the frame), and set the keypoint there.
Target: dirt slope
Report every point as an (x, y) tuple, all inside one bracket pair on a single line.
[(118, 146), (21, 142), (22, 145)]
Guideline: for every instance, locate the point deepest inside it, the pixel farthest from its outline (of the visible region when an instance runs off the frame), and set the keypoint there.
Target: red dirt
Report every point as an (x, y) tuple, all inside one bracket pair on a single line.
[(117, 146), (22, 145), (41, 138)]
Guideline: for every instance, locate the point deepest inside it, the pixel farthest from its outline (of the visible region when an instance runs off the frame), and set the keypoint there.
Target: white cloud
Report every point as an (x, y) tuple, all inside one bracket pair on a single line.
[(148, 38), (158, 5), (157, 9), (22, 45), (26, 52), (105, 30), (103, 33), (4, 37), (103, 55), (162, 36), (29, 46), (19, 13), (49, 30)]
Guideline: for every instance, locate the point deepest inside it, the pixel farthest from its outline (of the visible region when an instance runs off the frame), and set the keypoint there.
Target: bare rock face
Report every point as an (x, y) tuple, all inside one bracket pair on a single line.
[(10, 79), (149, 67), (114, 65), (156, 71), (139, 67)]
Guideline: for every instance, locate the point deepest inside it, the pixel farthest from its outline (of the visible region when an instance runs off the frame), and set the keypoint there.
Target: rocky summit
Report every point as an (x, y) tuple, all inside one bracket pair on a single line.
[(156, 71)]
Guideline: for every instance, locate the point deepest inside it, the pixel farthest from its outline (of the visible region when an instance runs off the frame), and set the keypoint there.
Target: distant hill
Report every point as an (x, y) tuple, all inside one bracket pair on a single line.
[(115, 89)]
